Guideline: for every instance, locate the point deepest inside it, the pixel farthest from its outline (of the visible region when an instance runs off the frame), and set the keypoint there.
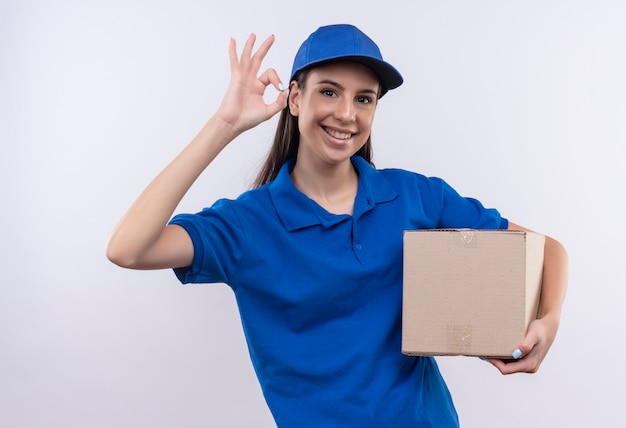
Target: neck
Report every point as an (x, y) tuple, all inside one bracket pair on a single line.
[(333, 187)]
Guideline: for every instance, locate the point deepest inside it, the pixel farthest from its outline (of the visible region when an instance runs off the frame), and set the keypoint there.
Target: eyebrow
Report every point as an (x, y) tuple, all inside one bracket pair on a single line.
[(333, 83)]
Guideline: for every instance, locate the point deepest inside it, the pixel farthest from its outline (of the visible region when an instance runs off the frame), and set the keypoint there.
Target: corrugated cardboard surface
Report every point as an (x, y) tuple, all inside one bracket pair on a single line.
[(469, 292)]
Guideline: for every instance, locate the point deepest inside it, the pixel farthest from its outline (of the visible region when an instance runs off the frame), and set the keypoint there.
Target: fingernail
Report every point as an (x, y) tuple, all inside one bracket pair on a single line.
[(281, 87), (517, 354)]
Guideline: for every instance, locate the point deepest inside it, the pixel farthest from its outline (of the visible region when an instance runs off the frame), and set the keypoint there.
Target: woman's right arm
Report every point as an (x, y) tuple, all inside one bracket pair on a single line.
[(142, 239)]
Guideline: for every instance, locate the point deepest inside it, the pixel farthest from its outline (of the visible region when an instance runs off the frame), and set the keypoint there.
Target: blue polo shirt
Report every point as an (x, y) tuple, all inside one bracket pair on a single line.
[(320, 295)]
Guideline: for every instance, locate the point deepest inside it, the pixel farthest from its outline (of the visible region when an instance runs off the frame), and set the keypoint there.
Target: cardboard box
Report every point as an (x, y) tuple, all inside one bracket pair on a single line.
[(469, 292)]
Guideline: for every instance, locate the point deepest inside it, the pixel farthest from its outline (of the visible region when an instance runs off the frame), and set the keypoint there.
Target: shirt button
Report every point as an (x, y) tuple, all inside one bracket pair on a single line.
[(359, 246)]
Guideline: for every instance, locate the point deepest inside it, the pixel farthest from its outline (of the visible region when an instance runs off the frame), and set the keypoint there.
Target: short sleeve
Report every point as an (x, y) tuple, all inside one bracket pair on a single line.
[(463, 212), (218, 241)]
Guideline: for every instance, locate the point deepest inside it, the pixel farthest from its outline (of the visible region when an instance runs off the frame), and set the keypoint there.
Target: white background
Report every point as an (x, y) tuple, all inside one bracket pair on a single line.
[(520, 104)]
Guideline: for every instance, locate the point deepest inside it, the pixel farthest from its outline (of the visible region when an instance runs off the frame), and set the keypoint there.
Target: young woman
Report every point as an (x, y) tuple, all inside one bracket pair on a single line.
[(314, 252)]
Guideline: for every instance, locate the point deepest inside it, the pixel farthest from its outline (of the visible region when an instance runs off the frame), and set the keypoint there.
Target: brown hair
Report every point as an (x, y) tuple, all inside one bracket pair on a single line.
[(287, 141)]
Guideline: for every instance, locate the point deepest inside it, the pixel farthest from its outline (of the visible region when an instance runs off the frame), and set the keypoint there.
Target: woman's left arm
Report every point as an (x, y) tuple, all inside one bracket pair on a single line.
[(542, 331)]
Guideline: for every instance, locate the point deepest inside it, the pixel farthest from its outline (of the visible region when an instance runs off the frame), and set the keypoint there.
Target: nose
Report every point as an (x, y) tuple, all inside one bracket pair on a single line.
[(345, 110)]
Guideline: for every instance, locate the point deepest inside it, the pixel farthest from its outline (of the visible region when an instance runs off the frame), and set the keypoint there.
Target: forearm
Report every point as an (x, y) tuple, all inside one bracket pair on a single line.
[(142, 225), (554, 281), (542, 332)]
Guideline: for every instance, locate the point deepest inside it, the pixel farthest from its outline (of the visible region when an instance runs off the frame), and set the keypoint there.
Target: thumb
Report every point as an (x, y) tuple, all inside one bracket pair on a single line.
[(279, 104), (525, 347)]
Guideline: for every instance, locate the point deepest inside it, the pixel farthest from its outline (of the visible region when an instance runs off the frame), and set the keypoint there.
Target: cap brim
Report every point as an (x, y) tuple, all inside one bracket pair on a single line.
[(389, 77)]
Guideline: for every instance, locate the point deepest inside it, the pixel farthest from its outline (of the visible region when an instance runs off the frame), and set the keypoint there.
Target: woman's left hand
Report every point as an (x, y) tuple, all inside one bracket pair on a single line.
[(530, 353)]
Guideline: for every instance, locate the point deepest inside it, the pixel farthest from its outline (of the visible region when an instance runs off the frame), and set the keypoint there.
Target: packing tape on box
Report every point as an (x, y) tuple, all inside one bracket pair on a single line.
[(459, 338), (464, 238)]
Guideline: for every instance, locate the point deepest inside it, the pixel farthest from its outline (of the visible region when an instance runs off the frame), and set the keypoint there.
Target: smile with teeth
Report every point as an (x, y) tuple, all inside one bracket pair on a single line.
[(336, 134)]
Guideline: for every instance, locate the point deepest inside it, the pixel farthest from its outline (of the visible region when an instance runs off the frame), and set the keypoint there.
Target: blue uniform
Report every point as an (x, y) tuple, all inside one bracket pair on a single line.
[(320, 295)]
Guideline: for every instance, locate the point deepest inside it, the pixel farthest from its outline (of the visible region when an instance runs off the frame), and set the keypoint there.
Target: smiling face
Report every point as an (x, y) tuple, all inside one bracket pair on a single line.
[(335, 111)]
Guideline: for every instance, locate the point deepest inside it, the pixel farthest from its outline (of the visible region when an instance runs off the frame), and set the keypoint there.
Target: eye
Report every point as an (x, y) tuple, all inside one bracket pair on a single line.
[(363, 99), (328, 92)]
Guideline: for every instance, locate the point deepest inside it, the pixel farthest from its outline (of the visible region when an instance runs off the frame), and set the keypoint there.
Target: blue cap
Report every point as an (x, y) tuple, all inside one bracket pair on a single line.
[(345, 42)]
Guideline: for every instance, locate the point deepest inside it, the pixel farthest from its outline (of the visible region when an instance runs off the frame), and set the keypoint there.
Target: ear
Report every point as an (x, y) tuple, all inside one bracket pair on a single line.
[(294, 98)]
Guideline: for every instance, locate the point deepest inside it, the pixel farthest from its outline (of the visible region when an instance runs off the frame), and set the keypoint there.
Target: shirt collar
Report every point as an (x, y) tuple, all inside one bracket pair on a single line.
[(297, 211)]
